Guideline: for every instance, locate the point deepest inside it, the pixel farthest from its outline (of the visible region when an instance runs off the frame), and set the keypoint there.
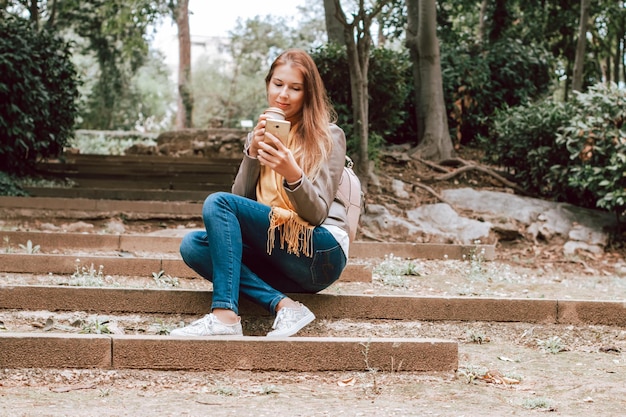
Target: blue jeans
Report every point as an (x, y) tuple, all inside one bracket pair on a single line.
[(232, 254)]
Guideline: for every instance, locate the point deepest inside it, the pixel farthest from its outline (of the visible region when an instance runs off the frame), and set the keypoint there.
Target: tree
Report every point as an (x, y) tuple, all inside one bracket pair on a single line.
[(433, 139), (334, 28), (185, 94), (579, 61), (358, 41)]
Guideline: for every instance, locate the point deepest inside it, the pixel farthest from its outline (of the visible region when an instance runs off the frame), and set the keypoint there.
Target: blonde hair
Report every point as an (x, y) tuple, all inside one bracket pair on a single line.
[(311, 130)]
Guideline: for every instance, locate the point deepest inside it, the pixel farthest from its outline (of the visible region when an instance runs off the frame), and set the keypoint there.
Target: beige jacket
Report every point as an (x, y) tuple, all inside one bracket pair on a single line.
[(315, 201)]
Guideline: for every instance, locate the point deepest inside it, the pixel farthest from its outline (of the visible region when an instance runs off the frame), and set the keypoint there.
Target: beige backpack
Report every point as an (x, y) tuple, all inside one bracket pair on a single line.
[(351, 196)]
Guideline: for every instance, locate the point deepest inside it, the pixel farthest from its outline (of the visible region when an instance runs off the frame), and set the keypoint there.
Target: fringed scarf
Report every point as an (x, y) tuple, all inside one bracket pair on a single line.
[(295, 234)]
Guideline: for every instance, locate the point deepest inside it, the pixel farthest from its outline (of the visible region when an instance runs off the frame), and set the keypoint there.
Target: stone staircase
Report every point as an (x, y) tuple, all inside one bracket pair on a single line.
[(127, 256)]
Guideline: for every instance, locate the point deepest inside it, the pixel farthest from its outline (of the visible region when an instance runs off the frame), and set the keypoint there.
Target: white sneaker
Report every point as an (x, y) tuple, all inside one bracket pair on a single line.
[(209, 325), (290, 321)]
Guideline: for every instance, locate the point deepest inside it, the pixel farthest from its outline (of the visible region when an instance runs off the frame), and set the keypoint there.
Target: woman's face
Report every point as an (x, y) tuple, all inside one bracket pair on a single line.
[(286, 90)]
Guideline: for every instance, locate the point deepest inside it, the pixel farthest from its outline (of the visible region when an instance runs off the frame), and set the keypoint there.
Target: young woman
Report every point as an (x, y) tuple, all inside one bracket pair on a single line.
[(281, 229)]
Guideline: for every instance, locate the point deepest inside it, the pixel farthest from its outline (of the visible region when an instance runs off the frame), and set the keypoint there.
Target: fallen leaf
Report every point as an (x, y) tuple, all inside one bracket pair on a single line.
[(495, 377), (346, 382)]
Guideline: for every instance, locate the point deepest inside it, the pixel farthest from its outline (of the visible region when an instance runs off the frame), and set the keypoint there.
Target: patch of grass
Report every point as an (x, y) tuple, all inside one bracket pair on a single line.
[(29, 247), (476, 263), (537, 404), (552, 345), (89, 276), (393, 270), (163, 280), (162, 329), (471, 373), (96, 326), (46, 183), (475, 336), (7, 244), (265, 390), (226, 391)]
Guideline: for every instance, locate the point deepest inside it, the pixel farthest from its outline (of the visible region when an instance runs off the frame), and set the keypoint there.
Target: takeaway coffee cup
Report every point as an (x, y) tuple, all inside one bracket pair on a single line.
[(274, 113)]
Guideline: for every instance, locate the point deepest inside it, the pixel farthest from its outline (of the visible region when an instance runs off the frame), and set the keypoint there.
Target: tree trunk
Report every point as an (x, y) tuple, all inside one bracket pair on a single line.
[(501, 19), (579, 60), (433, 141), (33, 8), (185, 95), (334, 28), (357, 38), (482, 21), (620, 47)]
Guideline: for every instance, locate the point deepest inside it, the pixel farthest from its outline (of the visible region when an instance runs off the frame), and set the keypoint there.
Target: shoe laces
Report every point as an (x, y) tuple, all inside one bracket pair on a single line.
[(284, 316), (206, 321)]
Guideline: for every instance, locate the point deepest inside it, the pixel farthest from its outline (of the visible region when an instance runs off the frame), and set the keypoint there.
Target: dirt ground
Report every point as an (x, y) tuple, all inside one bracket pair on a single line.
[(504, 368)]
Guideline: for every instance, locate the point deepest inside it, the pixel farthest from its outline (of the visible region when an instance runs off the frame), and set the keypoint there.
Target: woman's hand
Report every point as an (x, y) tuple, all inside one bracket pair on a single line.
[(274, 154), (258, 136)]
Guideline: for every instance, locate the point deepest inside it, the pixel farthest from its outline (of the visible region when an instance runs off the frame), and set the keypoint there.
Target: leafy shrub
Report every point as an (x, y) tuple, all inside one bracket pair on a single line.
[(573, 152), (38, 93), (9, 186), (523, 142), (477, 81), (595, 138)]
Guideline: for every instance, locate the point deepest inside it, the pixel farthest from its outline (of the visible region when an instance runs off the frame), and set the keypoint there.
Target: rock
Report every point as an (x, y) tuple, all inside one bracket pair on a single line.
[(543, 219), (441, 220), (571, 247), (78, 227), (436, 223), (507, 215), (115, 226), (397, 187)]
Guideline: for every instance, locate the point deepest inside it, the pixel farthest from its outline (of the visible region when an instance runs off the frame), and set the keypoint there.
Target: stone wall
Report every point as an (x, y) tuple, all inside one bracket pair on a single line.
[(207, 143)]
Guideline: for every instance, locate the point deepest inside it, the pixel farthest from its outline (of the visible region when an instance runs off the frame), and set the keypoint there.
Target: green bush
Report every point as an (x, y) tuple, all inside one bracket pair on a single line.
[(573, 152), (595, 138), (38, 93), (523, 142), (479, 80)]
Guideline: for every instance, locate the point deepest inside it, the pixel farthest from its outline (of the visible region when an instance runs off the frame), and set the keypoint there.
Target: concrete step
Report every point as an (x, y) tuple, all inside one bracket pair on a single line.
[(325, 306), (168, 241), (305, 354), (129, 193), (127, 266), (84, 208)]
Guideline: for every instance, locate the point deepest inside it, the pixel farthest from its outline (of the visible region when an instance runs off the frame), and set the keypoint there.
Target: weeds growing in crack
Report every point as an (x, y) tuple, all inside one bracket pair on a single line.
[(393, 270), (29, 248), (475, 336), (97, 326), (164, 280), (371, 371), (552, 345), (476, 259)]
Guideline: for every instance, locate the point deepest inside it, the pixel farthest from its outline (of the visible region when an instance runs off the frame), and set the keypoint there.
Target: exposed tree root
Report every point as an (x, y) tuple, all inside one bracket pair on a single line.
[(465, 166)]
